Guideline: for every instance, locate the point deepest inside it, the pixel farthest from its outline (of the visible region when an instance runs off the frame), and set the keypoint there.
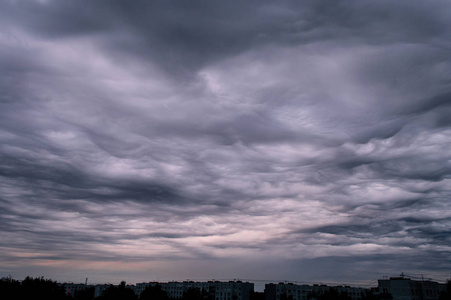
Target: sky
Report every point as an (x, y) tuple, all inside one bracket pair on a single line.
[(307, 141)]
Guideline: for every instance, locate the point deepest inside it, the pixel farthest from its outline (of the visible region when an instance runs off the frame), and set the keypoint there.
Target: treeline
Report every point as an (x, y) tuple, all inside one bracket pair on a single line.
[(41, 288), (121, 292), (31, 288)]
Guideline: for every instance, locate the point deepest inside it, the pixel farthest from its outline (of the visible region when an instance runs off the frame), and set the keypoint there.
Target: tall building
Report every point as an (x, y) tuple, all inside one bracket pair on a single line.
[(402, 288)]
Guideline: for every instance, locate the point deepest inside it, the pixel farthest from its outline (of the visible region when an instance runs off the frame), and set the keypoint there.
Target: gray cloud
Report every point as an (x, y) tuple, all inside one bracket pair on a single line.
[(257, 140)]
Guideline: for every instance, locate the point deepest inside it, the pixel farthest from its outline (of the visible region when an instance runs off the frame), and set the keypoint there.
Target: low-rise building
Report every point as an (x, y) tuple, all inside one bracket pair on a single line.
[(231, 290), (72, 288), (100, 288), (217, 290), (290, 291)]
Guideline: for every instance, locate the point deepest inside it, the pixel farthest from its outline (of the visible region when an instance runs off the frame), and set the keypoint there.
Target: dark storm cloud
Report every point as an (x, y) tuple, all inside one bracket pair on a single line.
[(191, 34), (245, 135)]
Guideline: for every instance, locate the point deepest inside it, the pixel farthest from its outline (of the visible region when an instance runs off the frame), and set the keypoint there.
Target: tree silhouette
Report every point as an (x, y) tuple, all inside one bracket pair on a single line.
[(330, 294), (194, 293), (120, 292), (333, 294), (9, 288), (256, 295), (369, 295), (153, 293), (85, 294), (40, 288), (446, 295), (385, 296)]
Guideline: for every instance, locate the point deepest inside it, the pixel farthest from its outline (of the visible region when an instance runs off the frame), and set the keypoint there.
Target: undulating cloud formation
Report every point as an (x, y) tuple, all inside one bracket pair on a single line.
[(159, 140)]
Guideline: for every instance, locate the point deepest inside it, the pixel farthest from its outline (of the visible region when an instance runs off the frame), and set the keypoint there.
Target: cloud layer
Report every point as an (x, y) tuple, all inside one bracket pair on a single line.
[(173, 139)]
